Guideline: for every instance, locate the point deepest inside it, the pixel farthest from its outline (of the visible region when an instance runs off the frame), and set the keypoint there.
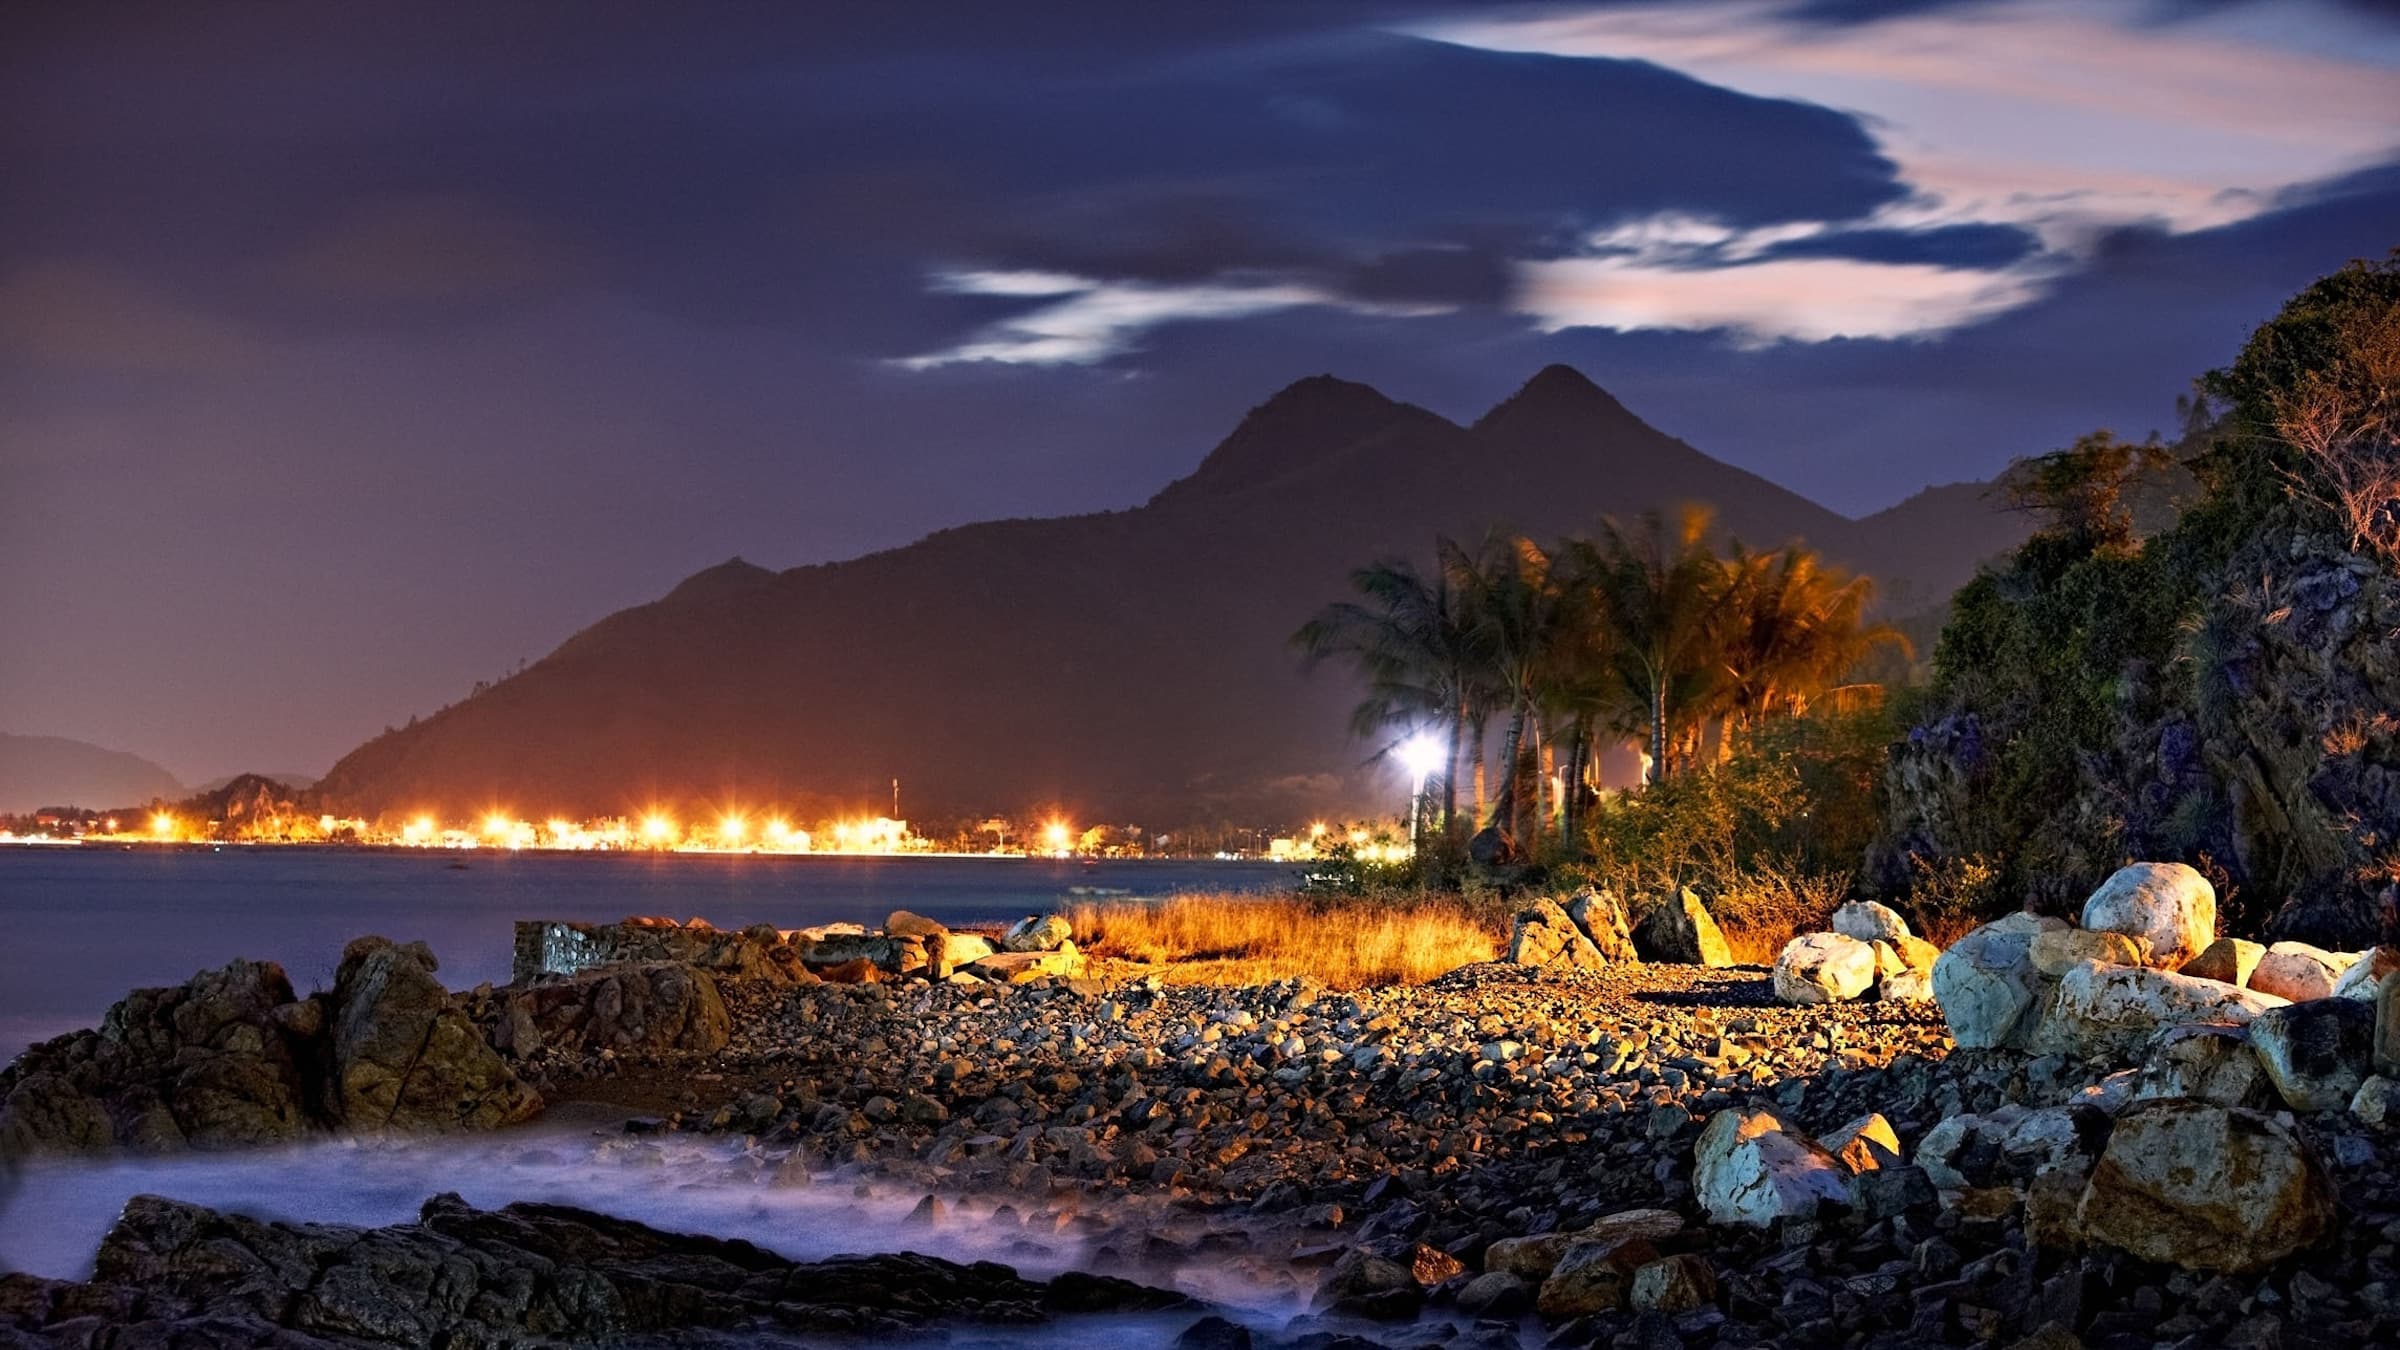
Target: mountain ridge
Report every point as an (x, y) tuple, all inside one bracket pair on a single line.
[(1134, 662)]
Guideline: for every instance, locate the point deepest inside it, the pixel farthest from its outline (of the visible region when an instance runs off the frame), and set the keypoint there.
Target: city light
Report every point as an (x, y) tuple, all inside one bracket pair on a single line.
[(163, 825), (657, 829), (733, 828), (1057, 836)]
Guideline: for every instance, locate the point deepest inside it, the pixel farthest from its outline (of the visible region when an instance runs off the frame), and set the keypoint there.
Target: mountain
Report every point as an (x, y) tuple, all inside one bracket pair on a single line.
[(1134, 663), (39, 771)]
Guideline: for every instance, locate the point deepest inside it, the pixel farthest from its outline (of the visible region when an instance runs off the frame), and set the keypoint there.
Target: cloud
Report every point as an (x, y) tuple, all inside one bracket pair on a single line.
[(73, 314), (1088, 320), (428, 250), (1797, 299)]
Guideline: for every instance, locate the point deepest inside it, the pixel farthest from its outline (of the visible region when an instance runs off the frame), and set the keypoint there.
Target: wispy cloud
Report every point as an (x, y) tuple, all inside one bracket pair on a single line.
[(73, 314), (2064, 120), (1089, 320)]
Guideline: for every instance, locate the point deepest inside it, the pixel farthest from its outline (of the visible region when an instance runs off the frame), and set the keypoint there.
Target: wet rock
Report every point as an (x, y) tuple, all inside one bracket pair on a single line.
[(1496, 1294), (1533, 1258), (1824, 968), (2169, 906), (1592, 1277), (1369, 1285), (404, 1059), (1678, 928), (1868, 921), (547, 947), (2316, 1053), (1214, 1333), (2227, 960), (1749, 1169), (2205, 1187), (1986, 982)]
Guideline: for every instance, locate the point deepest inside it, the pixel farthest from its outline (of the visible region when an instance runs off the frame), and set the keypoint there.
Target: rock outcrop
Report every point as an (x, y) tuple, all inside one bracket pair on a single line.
[(403, 1058), (648, 1009)]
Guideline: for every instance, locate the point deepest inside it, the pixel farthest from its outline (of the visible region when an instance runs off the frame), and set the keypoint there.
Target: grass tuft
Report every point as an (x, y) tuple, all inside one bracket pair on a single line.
[(1340, 942)]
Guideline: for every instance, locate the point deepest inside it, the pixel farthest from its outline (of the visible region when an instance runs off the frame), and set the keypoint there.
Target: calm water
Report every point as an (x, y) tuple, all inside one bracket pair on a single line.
[(82, 926)]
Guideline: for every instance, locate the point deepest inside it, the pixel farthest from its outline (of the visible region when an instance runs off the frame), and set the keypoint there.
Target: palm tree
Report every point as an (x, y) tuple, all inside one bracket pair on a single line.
[(1514, 611), (1410, 638), (1661, 592), (1797, 626)]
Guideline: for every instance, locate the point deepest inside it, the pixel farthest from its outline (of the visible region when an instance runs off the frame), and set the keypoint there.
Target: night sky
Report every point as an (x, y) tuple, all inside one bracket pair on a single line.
[(349, 354)]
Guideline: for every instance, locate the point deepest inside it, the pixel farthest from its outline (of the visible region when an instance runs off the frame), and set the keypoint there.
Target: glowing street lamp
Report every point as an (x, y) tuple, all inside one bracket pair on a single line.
[(733, 828), (1057, 835), (163, 825), (657, 829)]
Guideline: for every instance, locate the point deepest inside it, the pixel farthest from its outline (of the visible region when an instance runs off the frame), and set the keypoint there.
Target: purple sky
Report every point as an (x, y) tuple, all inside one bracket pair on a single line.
[(349, 356)]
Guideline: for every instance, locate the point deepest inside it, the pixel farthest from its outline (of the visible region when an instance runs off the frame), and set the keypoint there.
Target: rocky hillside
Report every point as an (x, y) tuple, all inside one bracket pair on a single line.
[(1135, 662)]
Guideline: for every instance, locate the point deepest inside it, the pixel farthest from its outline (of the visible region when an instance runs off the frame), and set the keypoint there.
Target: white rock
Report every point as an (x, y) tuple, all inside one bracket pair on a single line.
[(2359, 980), (1869, 922), (2316, 1052), (2109, 1012), (1906, 986), (1824, 968), (2206, 1061), (1748, 1169), (2300, 972), (2168, 905), (1986, 983)]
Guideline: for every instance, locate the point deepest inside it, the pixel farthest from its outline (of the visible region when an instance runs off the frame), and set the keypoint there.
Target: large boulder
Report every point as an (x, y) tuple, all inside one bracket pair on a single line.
[(1870, 922), (404, 1058), (2169, 906), (2300, 972), (1749, 1169), (2109, 1012), (2189, 1184), (1825, 968), (1602, 918), (1678, 929), (216, 1062), (1037, 933), (1593, 1277), (1987, 984), (639, 1009), (889, 953), (2317, 1052), (2057, 950), (1542, 934)]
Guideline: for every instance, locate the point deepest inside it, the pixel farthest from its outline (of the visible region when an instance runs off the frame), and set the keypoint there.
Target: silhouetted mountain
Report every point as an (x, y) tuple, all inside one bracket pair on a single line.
[(1134, 663), (39, 771)]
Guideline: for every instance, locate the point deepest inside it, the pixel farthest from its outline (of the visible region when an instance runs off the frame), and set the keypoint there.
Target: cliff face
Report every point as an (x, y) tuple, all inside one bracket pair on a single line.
[(1135, 663)]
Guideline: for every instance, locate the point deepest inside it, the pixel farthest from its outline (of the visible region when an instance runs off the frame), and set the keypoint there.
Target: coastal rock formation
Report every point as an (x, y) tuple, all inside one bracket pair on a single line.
[(549, 947), (217, 1062), (2190, 1184), (170, 1273), (1678, 928), (404, 1058), (2169, 907)]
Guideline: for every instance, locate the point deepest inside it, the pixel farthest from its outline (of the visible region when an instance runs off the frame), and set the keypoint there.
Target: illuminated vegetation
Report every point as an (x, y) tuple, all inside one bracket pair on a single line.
[(1340, 942)]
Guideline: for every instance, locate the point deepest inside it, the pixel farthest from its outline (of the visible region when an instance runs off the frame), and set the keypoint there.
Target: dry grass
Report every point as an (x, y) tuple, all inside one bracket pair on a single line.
[(1250, 939)]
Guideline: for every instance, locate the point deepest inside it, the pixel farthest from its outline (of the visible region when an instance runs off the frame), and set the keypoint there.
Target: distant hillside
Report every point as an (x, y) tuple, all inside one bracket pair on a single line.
[(1134, 662), (39, 771)]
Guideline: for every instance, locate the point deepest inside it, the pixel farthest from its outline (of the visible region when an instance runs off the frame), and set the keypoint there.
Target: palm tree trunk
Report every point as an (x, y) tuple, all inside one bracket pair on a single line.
[(1658, 727), (1475, 733), (1458, 723), (1504, 807)]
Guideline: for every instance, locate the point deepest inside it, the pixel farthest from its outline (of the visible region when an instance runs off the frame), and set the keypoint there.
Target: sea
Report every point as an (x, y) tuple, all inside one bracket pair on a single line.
[(79, 927)]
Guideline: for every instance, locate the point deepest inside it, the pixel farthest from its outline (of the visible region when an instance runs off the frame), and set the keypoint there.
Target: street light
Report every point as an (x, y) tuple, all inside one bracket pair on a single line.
[(1420, 754)]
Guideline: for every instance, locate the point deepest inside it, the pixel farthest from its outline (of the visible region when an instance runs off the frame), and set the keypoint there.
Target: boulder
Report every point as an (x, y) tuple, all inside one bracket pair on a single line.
[(1542, 934), (2377, 1101), (2317, 1053), (2206, 1061), (1037, 933), (2300, 972), (1916, 953), (651, 1008), (1496, 1294), (1869, 922), (891, 954), (1018, 967), (1824, 968), (2228, 960), (2387, 1025), (215, 1062), (1592, 1277), (2110, 1012), (1673, 1284), (1533, 1258), (903, 923), (1602, 918), (404, 1059), (550, 947), (1906, 986), (1678, 929), (2167, 905), (1363, 1281), (1749, 1169), (2205, 1187), (1987, 984), (2053, 951)]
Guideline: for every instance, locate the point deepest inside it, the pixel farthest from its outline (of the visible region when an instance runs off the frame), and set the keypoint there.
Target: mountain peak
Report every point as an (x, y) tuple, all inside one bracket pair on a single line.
[(1303, 421), (730, 577), (1556, 392)]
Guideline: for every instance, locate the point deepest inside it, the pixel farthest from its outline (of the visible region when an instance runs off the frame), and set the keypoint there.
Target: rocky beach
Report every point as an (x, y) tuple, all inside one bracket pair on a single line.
[(1586, 1143)]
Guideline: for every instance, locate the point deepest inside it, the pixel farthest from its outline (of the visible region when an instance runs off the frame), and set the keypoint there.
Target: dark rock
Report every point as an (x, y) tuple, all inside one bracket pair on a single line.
[(404, 1058), (648, 1009)]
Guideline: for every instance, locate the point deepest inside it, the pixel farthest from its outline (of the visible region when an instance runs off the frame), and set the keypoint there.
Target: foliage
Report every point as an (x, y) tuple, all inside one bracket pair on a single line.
[(1346, 943)]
